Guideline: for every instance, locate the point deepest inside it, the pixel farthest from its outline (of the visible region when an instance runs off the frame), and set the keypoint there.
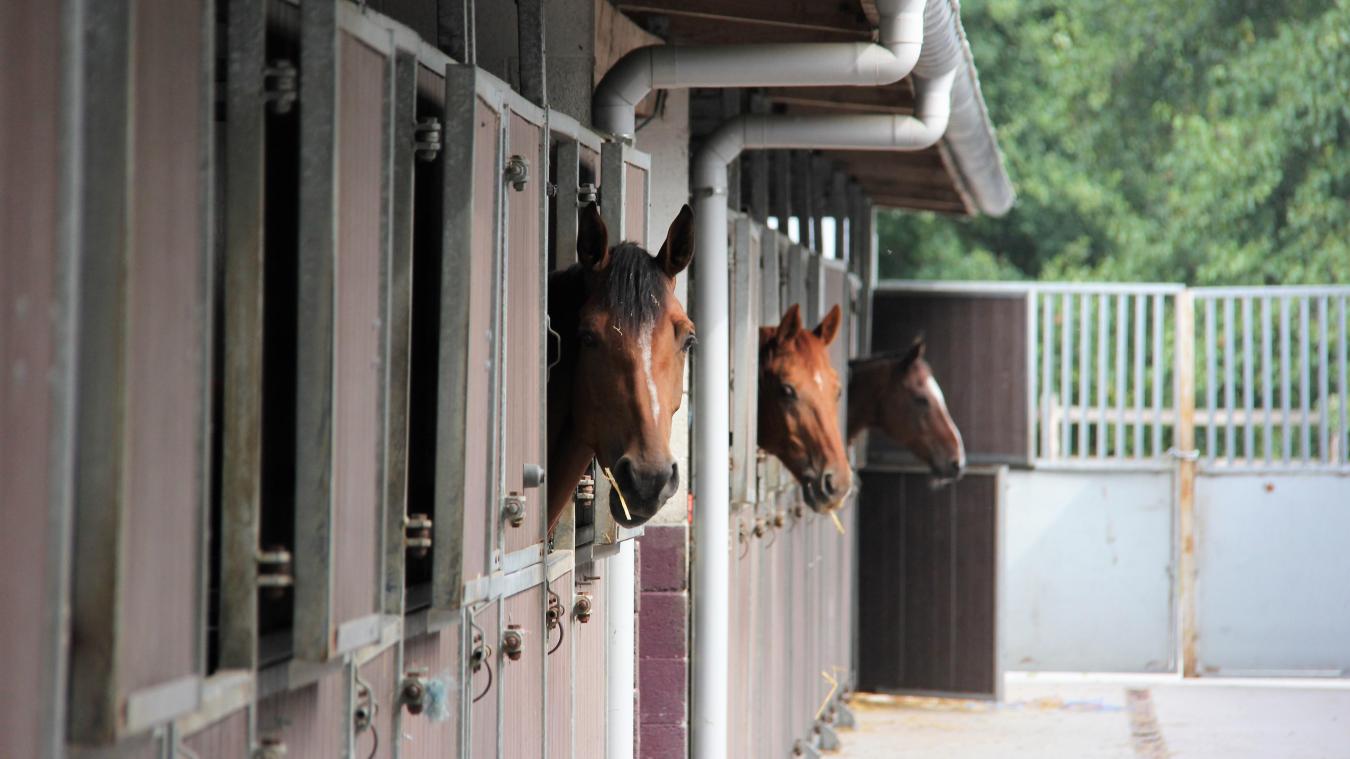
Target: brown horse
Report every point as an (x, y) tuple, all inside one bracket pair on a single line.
[(897, 394), (617, 371), (799, 407)]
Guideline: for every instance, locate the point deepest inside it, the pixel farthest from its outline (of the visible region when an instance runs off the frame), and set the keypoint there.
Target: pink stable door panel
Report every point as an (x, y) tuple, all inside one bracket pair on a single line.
[(483, 685), (523, 674), (479, 466), (635, 207), (558, 663), (312, 721), (379, 680), (30, 30), (226, 737), (433, 734), (357, 368), (588, 651), (524, 372)]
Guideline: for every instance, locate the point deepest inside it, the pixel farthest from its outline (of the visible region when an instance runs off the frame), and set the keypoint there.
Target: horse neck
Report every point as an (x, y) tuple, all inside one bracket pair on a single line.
[(867, 387)]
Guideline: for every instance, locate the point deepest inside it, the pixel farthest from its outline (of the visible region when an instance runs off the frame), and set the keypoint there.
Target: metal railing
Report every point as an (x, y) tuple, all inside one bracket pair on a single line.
[(1269, 372)]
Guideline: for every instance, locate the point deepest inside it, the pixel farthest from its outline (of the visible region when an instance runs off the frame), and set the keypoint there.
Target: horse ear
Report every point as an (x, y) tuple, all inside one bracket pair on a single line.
[(592, 239), (916, 350), (829, 326), (790, 325), (678, 249)]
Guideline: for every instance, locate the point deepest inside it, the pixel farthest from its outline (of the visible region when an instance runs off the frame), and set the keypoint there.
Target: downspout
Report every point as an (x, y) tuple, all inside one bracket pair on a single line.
[(803, 64), (935, 74)]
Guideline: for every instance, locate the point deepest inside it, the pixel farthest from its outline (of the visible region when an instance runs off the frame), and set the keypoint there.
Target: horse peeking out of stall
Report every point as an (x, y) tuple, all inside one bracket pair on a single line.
[(617, 368), (799, 407), (897, 394)]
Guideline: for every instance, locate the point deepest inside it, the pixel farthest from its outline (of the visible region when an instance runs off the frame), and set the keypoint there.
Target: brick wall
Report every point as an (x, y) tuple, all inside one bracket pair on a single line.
[(663, 642)]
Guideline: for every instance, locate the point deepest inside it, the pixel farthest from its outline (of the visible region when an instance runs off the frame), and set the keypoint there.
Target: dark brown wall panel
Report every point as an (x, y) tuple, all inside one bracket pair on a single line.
[(927, 584), (164, 350), (29, 89), (357, 370), (977, 347)]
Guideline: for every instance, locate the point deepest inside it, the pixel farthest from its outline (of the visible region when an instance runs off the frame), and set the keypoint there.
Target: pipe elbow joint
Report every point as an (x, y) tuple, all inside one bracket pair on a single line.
[(616, 98)]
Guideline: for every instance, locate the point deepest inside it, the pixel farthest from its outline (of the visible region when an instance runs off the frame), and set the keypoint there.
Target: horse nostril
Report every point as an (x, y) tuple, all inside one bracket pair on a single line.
[(954, 468), (674, 481), (827, 485)]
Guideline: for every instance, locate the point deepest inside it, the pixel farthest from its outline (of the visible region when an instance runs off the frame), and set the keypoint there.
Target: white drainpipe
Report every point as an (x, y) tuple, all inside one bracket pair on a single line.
[(801, 64)]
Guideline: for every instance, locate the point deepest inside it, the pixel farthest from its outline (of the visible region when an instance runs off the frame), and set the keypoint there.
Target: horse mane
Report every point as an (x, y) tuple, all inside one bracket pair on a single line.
[(636, 295), (898, 354)]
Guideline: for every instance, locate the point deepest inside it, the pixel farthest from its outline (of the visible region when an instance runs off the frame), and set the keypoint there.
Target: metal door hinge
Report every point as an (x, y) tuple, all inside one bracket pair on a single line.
[(587, 194), (274, 571), (427, 138), (281, 86)]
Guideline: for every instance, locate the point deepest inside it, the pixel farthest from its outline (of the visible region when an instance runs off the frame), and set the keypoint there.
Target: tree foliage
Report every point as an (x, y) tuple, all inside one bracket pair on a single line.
[(1203, 142)]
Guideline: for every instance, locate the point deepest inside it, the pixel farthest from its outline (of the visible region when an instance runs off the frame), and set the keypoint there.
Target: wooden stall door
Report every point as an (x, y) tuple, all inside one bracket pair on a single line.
[(523, 367), (928, 584)]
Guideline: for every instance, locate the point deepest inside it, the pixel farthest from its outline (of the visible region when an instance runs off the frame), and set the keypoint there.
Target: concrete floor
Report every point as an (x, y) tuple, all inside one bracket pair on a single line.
[(1111, 717)]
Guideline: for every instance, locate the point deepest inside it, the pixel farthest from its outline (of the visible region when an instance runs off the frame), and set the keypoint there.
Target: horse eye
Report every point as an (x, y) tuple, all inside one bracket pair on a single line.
[(789, 391), (588, 338)]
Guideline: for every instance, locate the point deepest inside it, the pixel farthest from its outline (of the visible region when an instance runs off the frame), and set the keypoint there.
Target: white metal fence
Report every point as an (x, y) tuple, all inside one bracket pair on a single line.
[(1267, 364)]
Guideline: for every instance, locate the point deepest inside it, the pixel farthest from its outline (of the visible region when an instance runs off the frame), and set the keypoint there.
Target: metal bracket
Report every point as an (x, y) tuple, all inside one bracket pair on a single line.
[(583, 607), (827, 739), (417, 537), (1180, 455), (427, 138), (803, 748), (843, 716), (412, 692), (274, 571), (533, 475), (517, 172), (270, 748), (587, 194), (281, 86)]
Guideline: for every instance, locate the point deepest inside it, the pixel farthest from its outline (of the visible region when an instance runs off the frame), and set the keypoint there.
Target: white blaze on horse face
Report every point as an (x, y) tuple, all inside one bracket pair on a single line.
[(645, 343), (820, 381), (942, 403)]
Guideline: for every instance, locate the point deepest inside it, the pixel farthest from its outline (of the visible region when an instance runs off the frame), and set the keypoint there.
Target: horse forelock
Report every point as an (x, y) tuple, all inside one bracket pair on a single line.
[(636, 287)]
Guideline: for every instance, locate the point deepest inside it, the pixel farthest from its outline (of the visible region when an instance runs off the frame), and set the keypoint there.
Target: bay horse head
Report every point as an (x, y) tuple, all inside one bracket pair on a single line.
[(618, 375), (799, 407), (897, 394)]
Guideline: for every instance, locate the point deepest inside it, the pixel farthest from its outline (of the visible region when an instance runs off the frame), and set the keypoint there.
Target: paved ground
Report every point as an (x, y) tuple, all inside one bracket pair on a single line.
[(1112, 717)]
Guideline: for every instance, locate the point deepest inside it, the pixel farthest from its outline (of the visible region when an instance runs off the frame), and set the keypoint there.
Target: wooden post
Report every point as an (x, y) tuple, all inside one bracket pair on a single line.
[(1186, 465)]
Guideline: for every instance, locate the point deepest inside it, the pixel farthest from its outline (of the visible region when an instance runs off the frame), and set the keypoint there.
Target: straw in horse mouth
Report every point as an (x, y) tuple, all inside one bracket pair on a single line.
[(615, 485)]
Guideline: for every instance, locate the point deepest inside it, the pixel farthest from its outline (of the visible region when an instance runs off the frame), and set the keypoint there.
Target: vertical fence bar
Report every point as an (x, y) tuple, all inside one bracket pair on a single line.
[(1343, 338), (1248, 425), (1211, 392), (1267, 392), (1034, 352), (1139, 328), (1102, 381), (1286, 441), (1121, 343), (1065, 387), (1229, 404), (1304, 377), (1185, 441), (1159, 365), (1047, 360), (1083, 399), (1323, 433)]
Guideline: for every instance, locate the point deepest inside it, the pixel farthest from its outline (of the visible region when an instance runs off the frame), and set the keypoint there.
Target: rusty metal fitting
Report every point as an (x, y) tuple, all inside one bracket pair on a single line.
[(779, 519), (583, 607), (513, 642), (270, 747), (517, 172), (513, 509), (412, 692)]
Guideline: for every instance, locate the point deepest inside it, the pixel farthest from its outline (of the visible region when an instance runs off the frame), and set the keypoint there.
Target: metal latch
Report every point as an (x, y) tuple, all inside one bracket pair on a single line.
[(586, 489), (274, 571), (412, 692), (427, 138), (270, 747), (513, 510), (533, 475), (281, 86), (513, 642), (417, 537), (587, 194), (517, 172)]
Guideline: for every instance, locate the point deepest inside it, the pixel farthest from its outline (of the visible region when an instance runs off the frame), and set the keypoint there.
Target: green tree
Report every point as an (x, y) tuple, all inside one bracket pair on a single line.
[(1200, 142)]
